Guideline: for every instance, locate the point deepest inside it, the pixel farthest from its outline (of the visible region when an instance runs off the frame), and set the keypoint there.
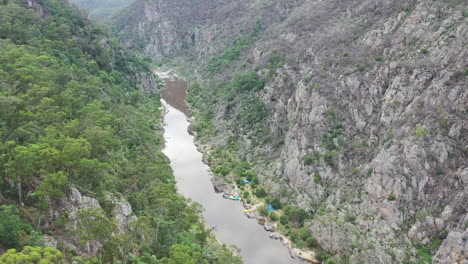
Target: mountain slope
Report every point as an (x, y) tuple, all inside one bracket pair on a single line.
[(102, 10), (81, 168), (354, 111)]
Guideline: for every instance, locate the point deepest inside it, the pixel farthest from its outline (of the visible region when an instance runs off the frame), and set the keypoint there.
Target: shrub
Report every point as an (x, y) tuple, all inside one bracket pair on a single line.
[(296, 215), (304, 233), (284, 220), (440, 171), (391, 197), (260, 192), (255, 180), (311, 242), (349, 218), (420, 132), (330, 158), (273, 216), (315, 86), (276, 203), (317, 178), (12, 228), (263, 211), (379, 58), (424, 51), (308, 159), (322, 256)]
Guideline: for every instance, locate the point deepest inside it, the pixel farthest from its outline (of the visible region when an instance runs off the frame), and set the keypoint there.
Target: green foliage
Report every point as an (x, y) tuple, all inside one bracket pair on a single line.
[(308, 159), (425, 252), (424, 51), (12, 228), (296, 215), (252, 114), (273, 216), (460, 74), (317, 178), (331, 157), (94, 225), (242, 83), (72, 115), (440, 171), (275, 61), (284, 220), (242, 105), (420, 132), (53, 186), (349, 217), (233, 51), (360, 68), (391, 197), (263, 211), (33, 255), (311, 242), (380, 58), (331, 111), (276, 203), (260, 192)]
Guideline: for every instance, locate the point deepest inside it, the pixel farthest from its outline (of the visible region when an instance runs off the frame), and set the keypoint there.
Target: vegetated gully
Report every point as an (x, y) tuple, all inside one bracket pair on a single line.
[(193, 176)]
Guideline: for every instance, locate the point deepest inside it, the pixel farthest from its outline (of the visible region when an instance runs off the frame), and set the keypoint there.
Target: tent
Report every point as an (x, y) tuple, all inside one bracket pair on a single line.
[(270, 207)]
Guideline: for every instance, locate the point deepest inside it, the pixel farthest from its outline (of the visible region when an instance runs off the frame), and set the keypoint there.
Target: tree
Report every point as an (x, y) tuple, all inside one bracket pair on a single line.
[(296, 215), (20, 167), (94, 225), (33, 255), (139, 236), (10, 226), (182, 254), (260, 192), (53, 186)]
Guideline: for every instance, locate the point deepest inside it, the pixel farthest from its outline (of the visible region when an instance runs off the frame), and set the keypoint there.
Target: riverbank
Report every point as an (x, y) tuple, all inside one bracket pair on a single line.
[(193, 179), (251, 211)]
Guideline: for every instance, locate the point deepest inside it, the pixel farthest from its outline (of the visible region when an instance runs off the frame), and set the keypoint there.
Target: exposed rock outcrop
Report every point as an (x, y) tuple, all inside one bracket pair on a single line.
[(373, 91)]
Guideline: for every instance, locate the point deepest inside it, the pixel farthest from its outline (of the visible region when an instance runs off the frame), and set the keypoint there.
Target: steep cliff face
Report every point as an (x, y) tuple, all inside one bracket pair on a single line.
[(366, 108)]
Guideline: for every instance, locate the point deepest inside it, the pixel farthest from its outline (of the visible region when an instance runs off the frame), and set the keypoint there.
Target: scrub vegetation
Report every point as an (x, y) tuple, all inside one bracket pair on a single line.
[(73, 116)]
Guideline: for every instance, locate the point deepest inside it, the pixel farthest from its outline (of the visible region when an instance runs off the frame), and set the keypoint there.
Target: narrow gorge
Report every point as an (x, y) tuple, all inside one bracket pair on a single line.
[(233, 131), (351, 115)]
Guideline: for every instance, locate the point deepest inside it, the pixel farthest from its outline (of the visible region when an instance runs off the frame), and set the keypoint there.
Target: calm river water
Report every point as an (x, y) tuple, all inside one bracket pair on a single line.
[(193, 181)]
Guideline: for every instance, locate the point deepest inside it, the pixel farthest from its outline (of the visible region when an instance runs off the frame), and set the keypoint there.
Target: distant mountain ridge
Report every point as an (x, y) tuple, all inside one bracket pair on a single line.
[(102, 10)]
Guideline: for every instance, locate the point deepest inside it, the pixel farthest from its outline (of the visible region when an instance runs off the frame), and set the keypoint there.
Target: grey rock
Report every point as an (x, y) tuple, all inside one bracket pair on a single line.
[(270, 227), (454, 249), (50, 241), (123, 216), (275, 236)]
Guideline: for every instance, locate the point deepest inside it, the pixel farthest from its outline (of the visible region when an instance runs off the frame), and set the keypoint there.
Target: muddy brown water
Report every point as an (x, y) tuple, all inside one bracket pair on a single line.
[(193, 176)]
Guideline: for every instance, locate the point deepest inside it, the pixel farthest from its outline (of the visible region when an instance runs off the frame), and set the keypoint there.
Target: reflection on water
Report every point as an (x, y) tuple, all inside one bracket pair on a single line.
[(193, 181)]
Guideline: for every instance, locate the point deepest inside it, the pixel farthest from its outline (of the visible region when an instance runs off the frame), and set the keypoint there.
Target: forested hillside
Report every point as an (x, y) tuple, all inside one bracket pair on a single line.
[(80, 141)]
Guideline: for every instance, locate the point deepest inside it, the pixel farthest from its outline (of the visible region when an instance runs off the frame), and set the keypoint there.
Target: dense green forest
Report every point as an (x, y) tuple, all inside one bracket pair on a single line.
[(72, 115)]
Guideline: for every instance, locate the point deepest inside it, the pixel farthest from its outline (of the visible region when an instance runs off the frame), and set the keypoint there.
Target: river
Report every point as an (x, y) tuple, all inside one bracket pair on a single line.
[(193, 176)]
